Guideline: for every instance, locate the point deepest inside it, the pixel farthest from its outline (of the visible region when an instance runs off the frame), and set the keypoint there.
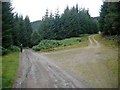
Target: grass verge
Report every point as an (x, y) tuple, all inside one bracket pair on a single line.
[(10, 63), (106, 42), (112, 43)]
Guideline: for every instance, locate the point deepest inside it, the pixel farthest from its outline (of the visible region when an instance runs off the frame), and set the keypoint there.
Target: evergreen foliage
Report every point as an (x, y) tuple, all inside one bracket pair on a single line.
[(22, 31), (109, 22), (15, 29), (7, 24), (71, 23)]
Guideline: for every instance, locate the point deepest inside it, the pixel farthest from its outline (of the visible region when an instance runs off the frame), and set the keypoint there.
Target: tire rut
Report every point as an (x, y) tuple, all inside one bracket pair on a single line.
[(40, 72), (26, 74)]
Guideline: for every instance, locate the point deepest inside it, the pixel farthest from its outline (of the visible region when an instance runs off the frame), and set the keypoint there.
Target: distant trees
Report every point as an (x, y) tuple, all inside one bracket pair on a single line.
[(15, 29), (71, 23), (35, 38), (110, 18)]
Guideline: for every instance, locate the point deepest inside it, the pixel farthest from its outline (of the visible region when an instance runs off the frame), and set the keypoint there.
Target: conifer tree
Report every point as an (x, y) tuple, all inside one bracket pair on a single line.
[(7, 24)]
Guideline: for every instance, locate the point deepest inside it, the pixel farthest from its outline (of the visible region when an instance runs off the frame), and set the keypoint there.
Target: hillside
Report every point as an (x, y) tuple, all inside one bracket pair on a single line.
[(36, 24), (96, 18)]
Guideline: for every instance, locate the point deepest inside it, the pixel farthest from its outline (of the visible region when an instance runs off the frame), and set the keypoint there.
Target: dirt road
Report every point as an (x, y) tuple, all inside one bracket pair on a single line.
[(57, 69), (37, 71), (95, 66)]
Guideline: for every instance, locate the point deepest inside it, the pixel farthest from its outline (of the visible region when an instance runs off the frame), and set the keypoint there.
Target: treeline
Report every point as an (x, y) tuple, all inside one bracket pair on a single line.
[(109, 23), (71, 23), (15, 29)]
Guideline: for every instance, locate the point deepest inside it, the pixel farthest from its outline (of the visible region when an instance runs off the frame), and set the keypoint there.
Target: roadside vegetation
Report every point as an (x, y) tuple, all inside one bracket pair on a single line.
[(108, 41), (10, 63), (109, 25), (111, 42), (53, 45)]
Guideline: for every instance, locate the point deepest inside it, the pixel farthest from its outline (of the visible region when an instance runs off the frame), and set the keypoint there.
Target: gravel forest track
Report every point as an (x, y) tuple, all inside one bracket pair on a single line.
[(37, 70)]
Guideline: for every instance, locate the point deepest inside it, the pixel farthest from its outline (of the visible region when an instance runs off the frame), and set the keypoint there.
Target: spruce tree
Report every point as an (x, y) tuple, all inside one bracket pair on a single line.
[(7, 24)]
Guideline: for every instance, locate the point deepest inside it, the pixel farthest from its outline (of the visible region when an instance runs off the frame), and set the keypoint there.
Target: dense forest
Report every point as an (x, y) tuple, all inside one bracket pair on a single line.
[(15, 29), (72, 22), (109, 23)]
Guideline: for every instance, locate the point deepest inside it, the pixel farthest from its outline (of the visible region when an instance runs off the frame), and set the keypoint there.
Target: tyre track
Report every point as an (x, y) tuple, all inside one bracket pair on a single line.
[(41, 72)]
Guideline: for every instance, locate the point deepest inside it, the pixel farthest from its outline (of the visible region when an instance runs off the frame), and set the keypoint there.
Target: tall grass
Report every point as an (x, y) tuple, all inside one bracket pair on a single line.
[(10, 64)]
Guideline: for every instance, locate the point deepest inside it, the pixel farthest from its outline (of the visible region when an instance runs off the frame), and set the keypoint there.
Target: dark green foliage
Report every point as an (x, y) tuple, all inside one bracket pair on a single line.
[(3, 51), (7, 24), (15, 30), (70, 41), (22, 31), (35, 38), (110, 18), (12, 48), (71, 23), (48, 44), (0, 23), (28, 32)]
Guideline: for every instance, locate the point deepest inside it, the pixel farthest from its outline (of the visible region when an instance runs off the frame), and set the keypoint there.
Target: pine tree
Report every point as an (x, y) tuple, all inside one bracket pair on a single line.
[(7, 24), (16, 31), (71, 23), (110, 18), (28, 32)]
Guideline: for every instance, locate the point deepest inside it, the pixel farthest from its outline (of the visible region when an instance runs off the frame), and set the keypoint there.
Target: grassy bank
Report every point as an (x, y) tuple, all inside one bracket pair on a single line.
[(10, 63), (108, 42), (54, 45)]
